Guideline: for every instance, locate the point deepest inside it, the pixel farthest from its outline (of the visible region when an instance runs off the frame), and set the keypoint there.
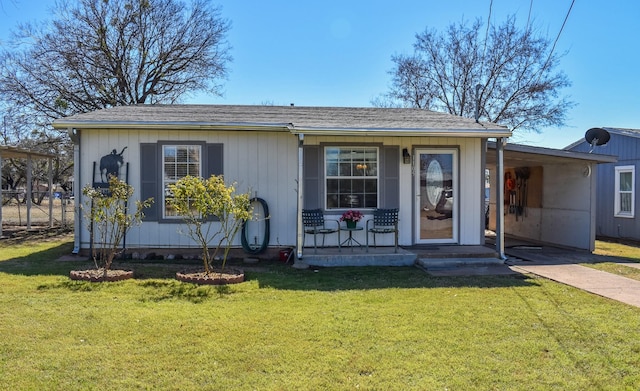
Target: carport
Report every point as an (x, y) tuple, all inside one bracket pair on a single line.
[(549, 194), (7, 152)]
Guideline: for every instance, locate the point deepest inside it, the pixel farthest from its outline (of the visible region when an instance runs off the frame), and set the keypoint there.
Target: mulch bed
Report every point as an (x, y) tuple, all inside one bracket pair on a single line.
[(216, 277), (98, 275)]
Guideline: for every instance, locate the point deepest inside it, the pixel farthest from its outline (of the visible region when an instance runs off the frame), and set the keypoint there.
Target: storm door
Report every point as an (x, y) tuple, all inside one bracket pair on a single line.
[(436, 205)]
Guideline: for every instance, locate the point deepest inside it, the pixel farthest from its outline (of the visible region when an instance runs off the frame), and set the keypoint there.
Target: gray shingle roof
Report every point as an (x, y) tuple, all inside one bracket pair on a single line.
[(296, 119)]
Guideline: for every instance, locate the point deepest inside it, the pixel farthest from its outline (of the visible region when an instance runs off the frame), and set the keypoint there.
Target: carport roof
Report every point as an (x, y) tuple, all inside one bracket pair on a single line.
[(517, 155), (7, 152)]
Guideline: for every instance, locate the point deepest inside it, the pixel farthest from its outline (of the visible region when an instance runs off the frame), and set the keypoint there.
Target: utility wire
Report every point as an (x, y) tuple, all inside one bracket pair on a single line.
[(560, 32), (529, 15), (553, 47), (486, 32), (484, 52)]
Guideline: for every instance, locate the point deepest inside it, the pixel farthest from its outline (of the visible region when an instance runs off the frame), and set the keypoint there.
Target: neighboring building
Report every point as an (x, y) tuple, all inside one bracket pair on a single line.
[(429, 165), (617, 184)]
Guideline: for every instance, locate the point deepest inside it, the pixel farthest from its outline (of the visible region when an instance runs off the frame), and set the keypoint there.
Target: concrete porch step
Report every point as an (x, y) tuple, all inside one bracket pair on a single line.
[(359, 257), (453, 251), (430, 263)]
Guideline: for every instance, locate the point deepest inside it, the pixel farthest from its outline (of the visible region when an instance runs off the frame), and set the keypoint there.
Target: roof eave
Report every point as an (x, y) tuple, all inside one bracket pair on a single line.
[(434, 132), (560, 153), (283, 127), (62, 124)]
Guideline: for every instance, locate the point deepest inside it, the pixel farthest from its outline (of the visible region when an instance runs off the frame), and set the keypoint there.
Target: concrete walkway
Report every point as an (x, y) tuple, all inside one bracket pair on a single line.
[(563, 266), (601, 283)]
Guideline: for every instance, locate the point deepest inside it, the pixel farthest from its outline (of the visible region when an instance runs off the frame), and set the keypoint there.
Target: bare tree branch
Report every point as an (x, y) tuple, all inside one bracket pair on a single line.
[(95, 54), (513, 68)]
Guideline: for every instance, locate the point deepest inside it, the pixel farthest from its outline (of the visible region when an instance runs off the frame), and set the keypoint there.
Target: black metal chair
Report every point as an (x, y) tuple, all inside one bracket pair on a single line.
[(385, 221), (315, 224)]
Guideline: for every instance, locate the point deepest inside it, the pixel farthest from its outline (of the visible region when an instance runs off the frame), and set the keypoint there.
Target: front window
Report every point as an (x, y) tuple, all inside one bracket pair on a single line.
[(625, 195), (178, 161), (351, 175)]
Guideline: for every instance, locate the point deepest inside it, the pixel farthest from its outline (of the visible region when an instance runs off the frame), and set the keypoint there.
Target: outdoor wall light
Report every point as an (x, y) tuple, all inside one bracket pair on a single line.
[(406, 158)]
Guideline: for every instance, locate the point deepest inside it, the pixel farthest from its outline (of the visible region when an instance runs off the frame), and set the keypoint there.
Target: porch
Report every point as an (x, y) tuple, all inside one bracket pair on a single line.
[(425, 256)]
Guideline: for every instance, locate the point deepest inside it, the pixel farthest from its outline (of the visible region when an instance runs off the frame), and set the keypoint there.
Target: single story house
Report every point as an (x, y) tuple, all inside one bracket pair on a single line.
[(429, 165), (617, 185)]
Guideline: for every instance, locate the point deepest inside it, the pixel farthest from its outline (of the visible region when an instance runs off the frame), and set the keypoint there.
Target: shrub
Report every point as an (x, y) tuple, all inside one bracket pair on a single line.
[(108, 219), (211, 211)]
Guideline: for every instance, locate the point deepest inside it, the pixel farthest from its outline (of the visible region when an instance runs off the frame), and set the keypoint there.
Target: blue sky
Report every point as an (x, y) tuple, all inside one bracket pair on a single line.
[(338, 53)]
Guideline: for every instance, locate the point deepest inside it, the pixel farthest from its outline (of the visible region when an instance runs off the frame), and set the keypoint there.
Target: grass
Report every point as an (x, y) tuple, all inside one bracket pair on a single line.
[(629, 251), (616, 268), (285, 329), (624, 252)]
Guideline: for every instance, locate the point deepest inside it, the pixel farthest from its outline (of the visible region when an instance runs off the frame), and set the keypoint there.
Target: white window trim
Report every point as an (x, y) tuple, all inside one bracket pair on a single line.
[(616, 209), (166, 181), (325, 176)]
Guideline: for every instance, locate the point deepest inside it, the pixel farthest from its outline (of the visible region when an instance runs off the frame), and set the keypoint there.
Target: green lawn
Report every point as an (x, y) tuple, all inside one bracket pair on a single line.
[(287, 329), (629, 251), (623, 253)]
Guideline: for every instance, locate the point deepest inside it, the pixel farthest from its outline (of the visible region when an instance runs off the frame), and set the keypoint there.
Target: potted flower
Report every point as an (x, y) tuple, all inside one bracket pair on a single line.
[(351, 217)]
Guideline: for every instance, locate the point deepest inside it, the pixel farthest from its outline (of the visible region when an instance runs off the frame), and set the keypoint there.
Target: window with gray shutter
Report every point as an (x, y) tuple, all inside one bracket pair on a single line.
[(178, 161), (339, 177), (149, 179), (165, 162)]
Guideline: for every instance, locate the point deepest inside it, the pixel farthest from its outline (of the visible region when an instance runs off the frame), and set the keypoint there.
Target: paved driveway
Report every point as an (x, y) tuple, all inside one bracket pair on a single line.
[(562, 266), (556, 264)]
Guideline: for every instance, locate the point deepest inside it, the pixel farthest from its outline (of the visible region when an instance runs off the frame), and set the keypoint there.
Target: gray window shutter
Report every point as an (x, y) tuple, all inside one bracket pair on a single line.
[(390, 177), (214, 160), (149, 173), (312, 177)]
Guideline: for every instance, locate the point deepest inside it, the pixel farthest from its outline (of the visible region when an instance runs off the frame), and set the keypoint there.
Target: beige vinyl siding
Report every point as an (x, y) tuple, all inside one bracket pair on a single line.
[(266, 163), (263, 162)]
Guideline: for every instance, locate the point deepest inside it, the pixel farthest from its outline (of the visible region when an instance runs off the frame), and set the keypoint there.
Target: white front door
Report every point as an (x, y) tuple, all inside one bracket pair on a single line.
[(436, 204)]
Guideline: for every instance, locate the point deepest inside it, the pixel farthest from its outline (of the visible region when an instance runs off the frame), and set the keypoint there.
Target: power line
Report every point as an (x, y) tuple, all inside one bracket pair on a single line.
[(486, 33), (529, 15), (553, 47), (484, 46), (560, 32)]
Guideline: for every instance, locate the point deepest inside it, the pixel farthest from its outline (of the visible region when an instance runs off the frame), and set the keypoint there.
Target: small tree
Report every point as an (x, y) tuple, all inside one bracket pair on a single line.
[(198, 200), (108, 219)]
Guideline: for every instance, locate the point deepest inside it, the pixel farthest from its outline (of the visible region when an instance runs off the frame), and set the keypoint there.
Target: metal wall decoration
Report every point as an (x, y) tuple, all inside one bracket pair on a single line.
[(110, 165)]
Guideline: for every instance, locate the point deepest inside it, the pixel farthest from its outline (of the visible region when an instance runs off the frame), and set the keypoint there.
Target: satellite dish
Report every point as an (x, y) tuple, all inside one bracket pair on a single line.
[(596, 137)]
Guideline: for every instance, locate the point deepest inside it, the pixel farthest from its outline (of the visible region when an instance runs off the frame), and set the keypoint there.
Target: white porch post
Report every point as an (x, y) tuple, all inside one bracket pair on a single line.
[(500, 142), (300, 228), (74, 135), (29, 191), (1, 200), (50, 174)]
